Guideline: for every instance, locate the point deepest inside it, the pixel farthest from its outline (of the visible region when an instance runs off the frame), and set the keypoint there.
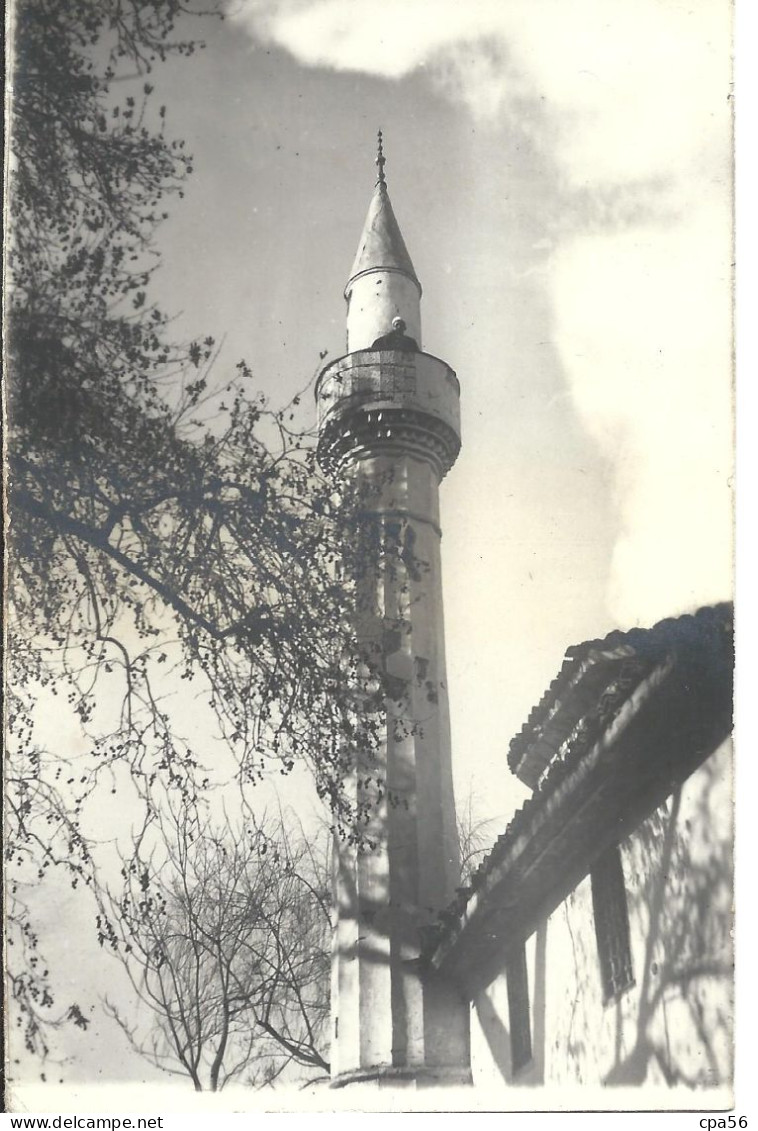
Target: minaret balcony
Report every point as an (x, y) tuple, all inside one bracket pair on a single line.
[(374, 402)]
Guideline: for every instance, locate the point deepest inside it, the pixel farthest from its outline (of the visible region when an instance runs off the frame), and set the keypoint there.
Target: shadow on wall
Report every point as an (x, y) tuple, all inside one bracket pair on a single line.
[(674, 1025), (492, 1017), (496, 1035), (679, 875)]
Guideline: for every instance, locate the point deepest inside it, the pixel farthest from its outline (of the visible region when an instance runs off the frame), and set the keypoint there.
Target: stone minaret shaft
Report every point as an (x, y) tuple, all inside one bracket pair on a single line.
[(389, 419)]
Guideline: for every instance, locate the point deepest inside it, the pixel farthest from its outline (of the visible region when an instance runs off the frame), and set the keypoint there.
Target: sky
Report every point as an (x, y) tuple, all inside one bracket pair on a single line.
[(561, 174), (562, 177)]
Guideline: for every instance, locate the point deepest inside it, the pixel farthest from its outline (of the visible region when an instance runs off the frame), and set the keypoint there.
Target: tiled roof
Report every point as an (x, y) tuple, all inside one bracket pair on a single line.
[(702, 632), (602, 685)]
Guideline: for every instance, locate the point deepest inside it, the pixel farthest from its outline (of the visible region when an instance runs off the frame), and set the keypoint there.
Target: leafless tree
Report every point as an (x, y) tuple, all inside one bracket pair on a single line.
[(475, 838), (225, 934)]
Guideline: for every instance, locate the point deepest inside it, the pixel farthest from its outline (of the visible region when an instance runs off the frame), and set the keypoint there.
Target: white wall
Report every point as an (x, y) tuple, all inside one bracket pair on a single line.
[(674, 1025)]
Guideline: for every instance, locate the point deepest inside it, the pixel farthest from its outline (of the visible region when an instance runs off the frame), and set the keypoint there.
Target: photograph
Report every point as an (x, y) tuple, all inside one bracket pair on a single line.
[(369, 556)]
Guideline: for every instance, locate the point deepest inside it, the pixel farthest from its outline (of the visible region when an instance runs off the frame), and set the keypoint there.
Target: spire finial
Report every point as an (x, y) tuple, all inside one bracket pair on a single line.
[(380, 159)]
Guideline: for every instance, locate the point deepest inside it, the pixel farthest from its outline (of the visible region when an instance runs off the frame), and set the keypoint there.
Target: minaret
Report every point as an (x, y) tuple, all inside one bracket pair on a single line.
[(389, 420)]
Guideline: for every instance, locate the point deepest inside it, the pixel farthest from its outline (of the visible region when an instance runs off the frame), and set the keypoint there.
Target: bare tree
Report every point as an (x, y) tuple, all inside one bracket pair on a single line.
[(475, 838), (225, 936)]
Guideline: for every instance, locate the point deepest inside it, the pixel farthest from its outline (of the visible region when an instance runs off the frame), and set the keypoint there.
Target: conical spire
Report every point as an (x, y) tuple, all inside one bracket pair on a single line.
[(383, 285), (381, 244)]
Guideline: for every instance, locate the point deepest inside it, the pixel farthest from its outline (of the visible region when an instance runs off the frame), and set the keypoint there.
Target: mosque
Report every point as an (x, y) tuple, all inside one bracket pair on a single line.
[(593, 945)]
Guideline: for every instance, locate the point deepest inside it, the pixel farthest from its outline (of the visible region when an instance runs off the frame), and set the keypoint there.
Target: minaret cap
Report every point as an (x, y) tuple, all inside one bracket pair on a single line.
[(381, 245)]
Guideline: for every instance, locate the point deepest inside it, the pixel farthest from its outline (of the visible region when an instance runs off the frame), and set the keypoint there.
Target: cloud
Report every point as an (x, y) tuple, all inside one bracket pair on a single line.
[(629, 89), (653, 386), (628, 104), (388, 39)]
